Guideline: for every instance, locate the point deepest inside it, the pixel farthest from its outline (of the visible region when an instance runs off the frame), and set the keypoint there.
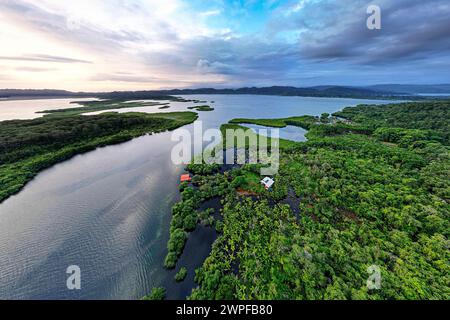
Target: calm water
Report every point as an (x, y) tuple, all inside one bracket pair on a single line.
[(434, 94), (26, 109), (108, 211), (289, 132)]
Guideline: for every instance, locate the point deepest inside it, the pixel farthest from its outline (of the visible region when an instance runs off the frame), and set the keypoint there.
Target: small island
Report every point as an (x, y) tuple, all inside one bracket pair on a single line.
[(102, 105), (201, 108), (181, 275)]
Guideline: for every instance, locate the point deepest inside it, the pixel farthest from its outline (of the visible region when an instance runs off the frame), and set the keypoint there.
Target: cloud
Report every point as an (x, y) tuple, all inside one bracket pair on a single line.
[(108, 28), (35, 69), (295, 7), (125, 77), (410, 30), (205, 66), (43, 58), (183, 43), (211, 13)]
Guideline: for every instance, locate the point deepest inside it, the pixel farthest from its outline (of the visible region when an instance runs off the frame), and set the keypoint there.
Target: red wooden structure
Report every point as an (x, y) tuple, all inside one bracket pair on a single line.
[(185, 178)]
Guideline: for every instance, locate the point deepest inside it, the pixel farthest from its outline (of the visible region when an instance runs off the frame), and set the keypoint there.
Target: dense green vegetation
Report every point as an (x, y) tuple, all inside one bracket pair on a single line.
[(247, 180), (181, 275), (432, 117), (373, 192), (29, 146), (303, 122), (252, 139), (185, 213), (156, 294), (201, 108)]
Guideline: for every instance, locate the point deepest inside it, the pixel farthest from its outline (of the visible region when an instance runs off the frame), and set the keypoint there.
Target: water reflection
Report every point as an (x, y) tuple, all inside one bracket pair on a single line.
[(26, 109)]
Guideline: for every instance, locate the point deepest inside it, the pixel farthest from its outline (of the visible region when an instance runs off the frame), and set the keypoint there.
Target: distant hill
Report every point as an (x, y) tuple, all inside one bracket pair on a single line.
[(11, 93), (321, 91), (412, 89), (385, 91)]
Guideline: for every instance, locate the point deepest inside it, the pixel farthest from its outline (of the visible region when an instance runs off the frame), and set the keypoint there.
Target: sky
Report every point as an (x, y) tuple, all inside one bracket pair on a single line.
[(104, 45)]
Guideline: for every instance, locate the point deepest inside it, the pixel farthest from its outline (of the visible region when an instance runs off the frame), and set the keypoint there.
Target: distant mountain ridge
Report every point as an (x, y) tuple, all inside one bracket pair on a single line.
[(7, 93), (413, 89), (384, 91), (324, 91)]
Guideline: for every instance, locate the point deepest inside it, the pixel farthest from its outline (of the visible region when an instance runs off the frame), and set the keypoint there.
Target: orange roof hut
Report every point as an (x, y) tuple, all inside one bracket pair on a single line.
[(185, 178)]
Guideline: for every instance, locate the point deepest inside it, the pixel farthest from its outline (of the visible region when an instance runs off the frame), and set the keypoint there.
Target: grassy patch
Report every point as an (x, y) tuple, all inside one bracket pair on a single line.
[(201, 108), (96, 106), (247, 181), (304, 122), (252, 139)]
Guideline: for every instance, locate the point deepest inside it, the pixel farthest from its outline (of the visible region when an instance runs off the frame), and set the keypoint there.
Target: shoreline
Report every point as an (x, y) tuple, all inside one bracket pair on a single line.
[(17, 174)]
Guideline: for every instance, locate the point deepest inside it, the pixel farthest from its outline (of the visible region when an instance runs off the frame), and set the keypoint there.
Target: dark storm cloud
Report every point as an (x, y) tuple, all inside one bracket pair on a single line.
[(239, 57), (333, 40), (410, 30)]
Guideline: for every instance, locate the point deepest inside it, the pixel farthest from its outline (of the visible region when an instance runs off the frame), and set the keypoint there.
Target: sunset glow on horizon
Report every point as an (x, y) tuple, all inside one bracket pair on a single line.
[(146, 44)]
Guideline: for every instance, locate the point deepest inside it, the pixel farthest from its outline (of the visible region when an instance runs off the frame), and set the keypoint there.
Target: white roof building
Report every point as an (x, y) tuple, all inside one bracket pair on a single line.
[(267, 182)]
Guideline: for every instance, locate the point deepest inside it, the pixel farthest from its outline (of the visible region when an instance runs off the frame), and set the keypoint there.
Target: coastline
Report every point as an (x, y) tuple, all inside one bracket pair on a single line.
[(17, 173)]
